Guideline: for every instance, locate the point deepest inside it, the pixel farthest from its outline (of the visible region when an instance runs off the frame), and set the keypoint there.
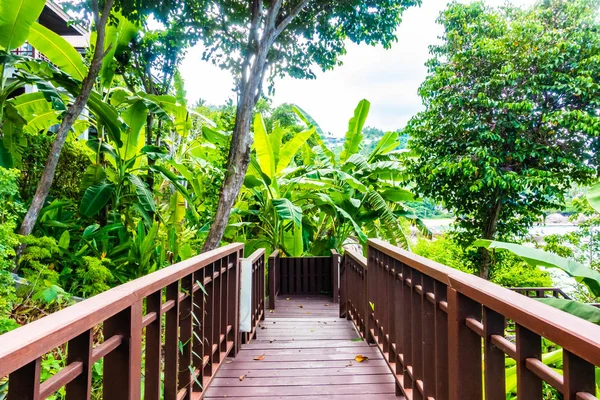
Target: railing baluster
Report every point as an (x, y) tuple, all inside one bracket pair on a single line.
[(209, 320), (464, 348), (24, 383), (428, 333), (417, 333), (399, 317), (152, 381), (233, 303), (495, 386), (199, 307), (80, 350), (579, 376), (441, 342), (123, 365), (185, 337), (171, 343), (529, 345), (273, 279), (407, 311)]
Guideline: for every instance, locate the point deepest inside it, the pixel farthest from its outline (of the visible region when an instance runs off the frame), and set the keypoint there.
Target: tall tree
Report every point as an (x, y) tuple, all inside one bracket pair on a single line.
[(257, 38), (511, 114), (72, 113)]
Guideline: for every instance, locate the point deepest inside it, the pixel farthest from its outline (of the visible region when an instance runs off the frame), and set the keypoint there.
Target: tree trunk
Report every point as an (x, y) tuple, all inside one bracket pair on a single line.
[(239, 155), (67, 123), (253, 71), (489, 232)]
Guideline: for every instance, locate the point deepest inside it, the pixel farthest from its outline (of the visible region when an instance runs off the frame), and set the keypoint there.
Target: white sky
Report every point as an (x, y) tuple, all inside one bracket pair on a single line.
[(389, 79)]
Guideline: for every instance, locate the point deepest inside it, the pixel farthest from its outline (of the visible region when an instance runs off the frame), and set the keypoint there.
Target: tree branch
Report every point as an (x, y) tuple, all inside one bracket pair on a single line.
[(293, 14)]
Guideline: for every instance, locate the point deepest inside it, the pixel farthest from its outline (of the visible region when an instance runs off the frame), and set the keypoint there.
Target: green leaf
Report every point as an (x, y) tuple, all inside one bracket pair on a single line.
[(118, 37), (95, 198), (581, 310), (397, 195), (355, 125), (38, 113), (536, 257), (16, 18), (291, 147), (144, 194), (64, 240), (593, 196), (310, 122), (6, 159), (288, 211), (133, 141), (60, 52), (93, 175), (387, 143), (264, 151), (292, 240)]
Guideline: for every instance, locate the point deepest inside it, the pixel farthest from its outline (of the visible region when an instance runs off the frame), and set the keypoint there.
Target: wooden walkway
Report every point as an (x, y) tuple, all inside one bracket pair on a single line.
[(303, 350)]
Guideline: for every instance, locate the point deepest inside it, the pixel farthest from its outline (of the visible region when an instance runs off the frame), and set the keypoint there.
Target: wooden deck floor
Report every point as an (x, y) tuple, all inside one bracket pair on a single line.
[(303, 350)]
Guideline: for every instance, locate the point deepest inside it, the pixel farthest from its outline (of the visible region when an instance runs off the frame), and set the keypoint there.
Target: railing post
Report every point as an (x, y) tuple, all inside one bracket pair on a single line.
[(369, 279), (80, 350), (273, 261), (122, 366), (343, 287), (24, 383), (234, 301), (335, 274), (464, 348)]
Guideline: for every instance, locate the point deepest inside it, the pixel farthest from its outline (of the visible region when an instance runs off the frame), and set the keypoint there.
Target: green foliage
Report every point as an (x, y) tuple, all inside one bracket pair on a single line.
[(510, 118), (72, 164), (445, 250), (94, 275), (16, 18)]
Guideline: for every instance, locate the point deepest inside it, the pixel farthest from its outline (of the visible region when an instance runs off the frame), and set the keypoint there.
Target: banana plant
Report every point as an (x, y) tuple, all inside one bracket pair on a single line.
[(272, 186), (16, 19), (370, 194)]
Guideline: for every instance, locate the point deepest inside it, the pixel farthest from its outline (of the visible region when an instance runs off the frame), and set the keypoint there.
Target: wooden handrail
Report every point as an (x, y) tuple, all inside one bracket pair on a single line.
[(120, 310), (429, 321)]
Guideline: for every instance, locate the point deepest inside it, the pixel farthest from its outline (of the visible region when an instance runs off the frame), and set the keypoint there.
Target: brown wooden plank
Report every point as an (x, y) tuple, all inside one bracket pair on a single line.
[(301, 390), (250, 381), (378, 396), (254, 365), (273, 373)]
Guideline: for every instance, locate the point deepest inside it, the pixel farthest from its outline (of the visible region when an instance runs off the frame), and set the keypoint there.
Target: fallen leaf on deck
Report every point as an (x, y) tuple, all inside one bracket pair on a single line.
[(326, 305), (259, 358), (307, 312), (360, 358), (312, 330), (356, 339), (242, 377), (288, 298), (271, 311), (300, 306)]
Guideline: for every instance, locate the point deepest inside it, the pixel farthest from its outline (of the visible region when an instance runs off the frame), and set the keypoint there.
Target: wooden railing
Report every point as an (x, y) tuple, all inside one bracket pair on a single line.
[(541, 292), (199, 332), (303, 276), (442, 331), (257, 260)]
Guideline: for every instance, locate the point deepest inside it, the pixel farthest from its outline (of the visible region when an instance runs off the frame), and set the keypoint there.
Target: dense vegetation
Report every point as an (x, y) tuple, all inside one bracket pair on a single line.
[(108, 174)]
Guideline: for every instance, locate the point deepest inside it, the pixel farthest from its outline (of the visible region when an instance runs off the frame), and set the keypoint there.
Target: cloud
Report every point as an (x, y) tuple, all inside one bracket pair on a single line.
[(389, 79)]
